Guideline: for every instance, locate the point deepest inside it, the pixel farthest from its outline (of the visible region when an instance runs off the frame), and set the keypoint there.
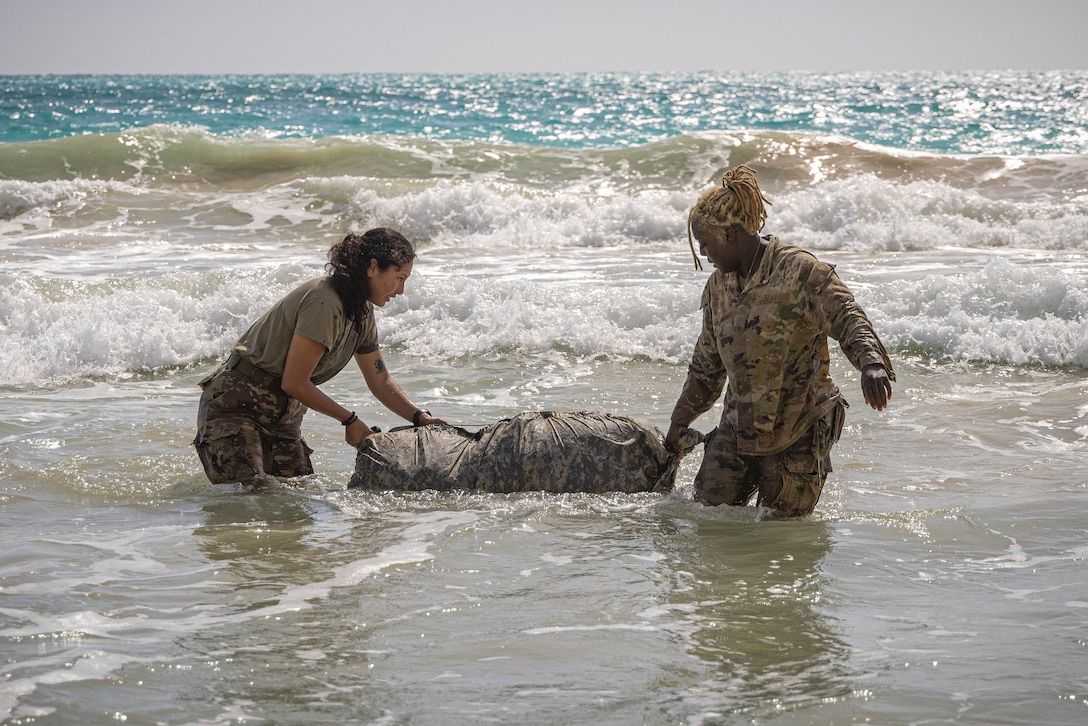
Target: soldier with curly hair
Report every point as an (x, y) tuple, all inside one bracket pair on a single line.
[(768, 310), (251, 409)]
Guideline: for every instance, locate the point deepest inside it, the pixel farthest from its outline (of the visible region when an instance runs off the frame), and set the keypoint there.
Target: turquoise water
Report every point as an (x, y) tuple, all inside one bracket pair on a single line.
[(1001, 113)]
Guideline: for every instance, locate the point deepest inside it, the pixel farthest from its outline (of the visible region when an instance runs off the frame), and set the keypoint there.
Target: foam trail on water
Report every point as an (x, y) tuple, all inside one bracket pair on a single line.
[(92, 664)]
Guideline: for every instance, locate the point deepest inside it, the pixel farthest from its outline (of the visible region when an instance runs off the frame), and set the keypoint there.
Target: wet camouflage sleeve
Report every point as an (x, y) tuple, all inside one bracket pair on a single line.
[(837, 312), (706, 372)]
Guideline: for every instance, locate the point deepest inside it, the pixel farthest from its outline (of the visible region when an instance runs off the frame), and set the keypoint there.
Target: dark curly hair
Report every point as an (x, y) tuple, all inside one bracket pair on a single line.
[(349, 259)]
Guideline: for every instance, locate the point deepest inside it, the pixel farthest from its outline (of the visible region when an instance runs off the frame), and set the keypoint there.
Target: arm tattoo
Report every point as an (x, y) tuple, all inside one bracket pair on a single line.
[(379, 365)]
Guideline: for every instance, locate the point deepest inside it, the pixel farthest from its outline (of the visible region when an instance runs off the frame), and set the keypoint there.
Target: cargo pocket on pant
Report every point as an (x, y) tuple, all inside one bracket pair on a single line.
[(802, 484), (826, 432), (288, 457), (229, 452)]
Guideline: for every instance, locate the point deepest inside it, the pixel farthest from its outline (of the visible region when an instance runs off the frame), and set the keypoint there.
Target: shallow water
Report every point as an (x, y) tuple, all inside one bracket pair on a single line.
[(939, 579)]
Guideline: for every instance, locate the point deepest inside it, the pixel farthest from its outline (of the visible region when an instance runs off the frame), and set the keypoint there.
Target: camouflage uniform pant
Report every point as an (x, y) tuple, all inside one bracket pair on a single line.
[(246, 432), (789, 482)]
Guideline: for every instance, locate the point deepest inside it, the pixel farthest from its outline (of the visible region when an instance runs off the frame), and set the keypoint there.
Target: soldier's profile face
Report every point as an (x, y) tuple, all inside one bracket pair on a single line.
[(716, 245), (384, 285)]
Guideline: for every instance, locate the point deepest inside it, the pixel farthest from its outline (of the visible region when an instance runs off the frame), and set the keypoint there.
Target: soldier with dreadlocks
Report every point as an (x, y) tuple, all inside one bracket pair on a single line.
[(768, 310), (251, 409)]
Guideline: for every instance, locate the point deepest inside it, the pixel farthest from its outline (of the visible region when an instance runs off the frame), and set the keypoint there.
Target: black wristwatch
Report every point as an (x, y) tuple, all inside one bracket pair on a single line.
[(419, 412)]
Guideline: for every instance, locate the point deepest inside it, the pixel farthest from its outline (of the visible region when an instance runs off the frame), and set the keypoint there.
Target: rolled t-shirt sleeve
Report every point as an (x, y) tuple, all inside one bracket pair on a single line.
[(368, 340)]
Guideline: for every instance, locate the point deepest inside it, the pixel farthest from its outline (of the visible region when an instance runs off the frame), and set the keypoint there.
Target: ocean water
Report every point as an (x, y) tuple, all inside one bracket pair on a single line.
[(146, 221)]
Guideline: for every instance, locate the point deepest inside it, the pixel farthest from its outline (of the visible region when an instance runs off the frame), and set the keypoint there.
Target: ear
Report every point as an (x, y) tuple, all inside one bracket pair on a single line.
[(373, 269)]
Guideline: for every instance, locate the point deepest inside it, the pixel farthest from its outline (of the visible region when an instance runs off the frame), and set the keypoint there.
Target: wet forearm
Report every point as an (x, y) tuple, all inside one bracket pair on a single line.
[(313, 398), (392, 396), (696, 398)]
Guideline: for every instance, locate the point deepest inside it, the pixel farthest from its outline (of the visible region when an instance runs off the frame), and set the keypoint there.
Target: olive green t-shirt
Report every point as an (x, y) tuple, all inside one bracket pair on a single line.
[(312, 310)]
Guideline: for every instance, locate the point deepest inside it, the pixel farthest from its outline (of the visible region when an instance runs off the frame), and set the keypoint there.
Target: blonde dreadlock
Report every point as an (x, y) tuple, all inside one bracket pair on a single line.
[(737, 201)]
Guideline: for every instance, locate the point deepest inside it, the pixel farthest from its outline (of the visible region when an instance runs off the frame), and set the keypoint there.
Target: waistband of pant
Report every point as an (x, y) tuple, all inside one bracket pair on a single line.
[(261, 377)]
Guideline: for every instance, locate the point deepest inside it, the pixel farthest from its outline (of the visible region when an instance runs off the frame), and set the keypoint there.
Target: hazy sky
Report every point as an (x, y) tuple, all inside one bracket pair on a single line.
[(451, 36)]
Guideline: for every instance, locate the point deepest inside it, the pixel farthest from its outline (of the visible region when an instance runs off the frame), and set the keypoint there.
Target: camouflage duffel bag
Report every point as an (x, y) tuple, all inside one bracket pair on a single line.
[(581, 451)]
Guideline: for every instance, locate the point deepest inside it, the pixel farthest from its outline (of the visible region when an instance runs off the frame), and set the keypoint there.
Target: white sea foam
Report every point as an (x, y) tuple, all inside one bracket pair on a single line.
[(866, 213), (590, 259), (57, 331), (1005, 312), (527, 305)]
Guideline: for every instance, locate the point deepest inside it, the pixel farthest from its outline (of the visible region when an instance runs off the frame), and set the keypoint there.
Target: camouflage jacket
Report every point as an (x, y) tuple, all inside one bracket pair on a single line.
[(769, 342)]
